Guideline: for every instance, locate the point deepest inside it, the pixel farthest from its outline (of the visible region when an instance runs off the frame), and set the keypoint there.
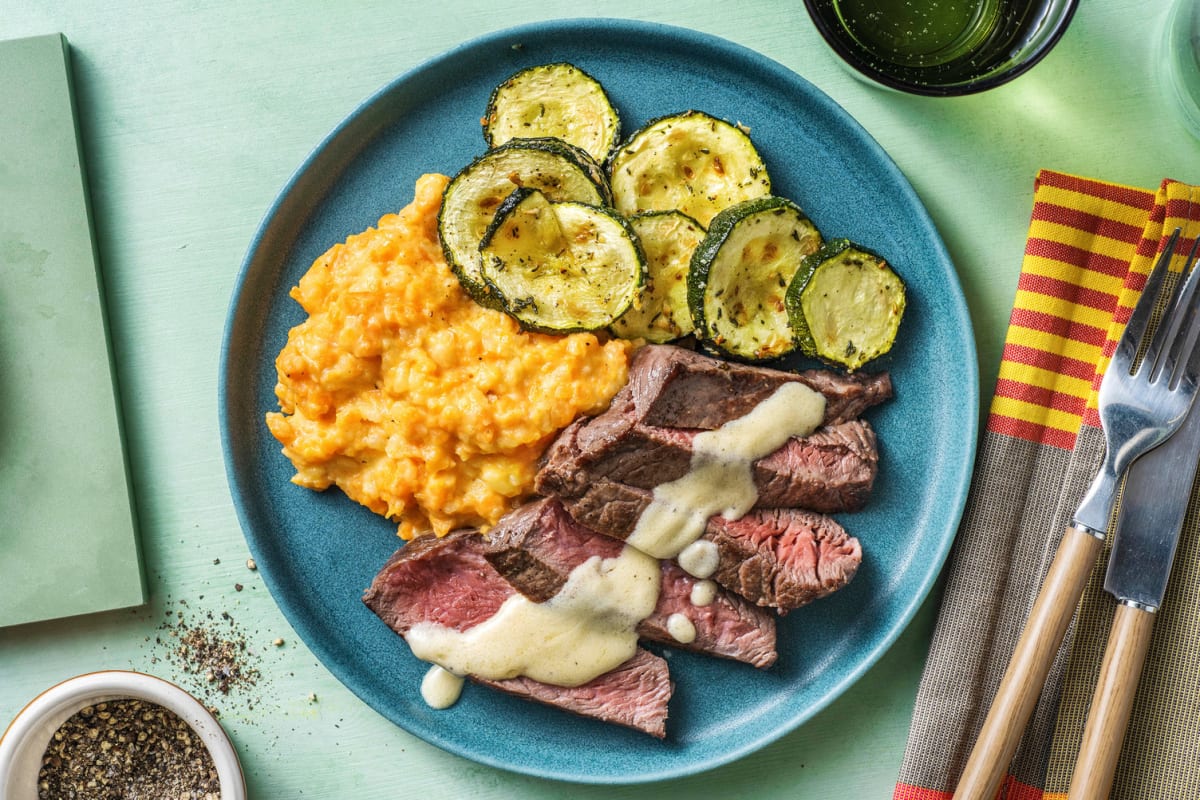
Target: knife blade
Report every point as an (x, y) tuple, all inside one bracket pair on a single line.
[(1158, 490), (1150, 517)]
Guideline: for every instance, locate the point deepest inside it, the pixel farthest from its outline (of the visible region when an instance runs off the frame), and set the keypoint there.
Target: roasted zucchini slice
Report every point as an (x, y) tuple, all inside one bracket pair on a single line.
[(561, 170), (740, 273), (660, 314), (561, 267), (558, 100), (845, 305), (692, 162)]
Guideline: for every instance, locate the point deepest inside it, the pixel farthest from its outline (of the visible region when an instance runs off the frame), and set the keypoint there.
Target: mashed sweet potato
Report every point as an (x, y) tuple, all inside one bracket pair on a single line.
[(414, 400)]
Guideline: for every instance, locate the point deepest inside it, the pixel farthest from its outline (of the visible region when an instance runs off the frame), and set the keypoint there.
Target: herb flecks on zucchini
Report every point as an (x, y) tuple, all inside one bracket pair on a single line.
[(845, 305), (558, 100), (740, 273), (561, 267), (560, 170), (692, 162), (661, 312)]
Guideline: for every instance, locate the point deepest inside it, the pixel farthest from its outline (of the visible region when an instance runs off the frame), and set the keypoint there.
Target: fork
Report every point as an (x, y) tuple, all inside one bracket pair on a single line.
[(1139, 409)]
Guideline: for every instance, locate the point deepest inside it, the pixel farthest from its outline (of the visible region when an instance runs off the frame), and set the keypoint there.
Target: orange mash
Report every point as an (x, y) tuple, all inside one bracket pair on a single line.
[(414, 400)]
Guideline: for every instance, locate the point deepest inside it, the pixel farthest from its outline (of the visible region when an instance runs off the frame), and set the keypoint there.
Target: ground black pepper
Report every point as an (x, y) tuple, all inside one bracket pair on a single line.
[(212, 651), (127, 749)]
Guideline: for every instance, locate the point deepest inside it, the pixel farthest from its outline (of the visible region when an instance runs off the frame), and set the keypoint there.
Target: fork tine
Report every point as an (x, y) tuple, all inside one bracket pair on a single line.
[(1168, 346), (1168, 324), (1190, 372), (1143, 310)]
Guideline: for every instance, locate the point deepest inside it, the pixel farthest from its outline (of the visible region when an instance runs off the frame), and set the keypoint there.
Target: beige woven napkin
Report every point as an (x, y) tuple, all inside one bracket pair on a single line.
[(1090, 246)]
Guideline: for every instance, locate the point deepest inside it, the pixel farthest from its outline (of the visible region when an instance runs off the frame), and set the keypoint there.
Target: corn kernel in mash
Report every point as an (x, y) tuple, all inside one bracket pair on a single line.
[(414, 400)]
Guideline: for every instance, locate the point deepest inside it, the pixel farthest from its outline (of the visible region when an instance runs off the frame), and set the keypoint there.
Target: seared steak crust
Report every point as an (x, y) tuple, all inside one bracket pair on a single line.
[(599, 477)]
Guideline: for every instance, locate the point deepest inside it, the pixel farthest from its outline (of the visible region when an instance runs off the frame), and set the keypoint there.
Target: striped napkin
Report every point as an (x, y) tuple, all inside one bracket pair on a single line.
[(1090, 246)]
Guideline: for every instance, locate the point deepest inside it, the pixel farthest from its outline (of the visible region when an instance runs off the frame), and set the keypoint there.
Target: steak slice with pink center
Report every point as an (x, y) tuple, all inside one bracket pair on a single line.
[(780, 558), (536, 546), (448, 581)]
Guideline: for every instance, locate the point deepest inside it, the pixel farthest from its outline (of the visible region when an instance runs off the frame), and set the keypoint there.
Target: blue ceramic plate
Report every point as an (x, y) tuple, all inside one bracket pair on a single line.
[(318, 551)]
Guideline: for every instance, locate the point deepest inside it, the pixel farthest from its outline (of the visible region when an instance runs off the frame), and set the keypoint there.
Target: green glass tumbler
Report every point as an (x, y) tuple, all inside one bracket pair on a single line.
[(941, 47)]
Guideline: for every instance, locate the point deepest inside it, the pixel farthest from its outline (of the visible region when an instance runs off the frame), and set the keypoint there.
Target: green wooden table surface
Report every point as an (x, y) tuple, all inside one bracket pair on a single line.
[(193, 116)]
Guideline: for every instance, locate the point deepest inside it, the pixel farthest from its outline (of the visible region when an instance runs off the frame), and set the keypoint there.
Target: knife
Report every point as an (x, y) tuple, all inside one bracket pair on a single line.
[(1158, 488)]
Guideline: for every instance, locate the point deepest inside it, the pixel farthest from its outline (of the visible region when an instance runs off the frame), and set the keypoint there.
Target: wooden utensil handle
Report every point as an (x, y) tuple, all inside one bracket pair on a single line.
[(1029, 666), (1112, 703)]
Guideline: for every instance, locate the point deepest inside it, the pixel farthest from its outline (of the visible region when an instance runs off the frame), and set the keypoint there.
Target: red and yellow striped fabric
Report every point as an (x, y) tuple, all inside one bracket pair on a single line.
[(1074, 295)]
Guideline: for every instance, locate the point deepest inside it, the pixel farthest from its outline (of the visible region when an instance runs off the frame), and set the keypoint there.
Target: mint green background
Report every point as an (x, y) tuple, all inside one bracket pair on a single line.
[(193, 117)]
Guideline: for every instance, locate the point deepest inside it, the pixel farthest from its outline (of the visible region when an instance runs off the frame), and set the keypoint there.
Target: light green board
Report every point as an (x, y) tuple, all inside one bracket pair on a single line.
[(68, 542)]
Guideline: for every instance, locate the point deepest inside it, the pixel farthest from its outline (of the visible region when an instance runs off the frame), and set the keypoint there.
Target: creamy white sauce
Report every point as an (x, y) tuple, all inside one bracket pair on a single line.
[(440, 688), (720, 479), (700, 558), (681, 628), (703, 593), (586, 630)]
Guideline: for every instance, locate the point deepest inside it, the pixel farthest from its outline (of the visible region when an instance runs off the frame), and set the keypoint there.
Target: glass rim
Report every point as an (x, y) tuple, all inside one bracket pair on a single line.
[(855, 61)]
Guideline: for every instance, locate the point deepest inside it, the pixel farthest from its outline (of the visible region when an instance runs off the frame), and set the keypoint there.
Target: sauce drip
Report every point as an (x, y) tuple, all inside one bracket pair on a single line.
[(720, 479), (700, 558), (440, 688), (681, 628), (703, 593)]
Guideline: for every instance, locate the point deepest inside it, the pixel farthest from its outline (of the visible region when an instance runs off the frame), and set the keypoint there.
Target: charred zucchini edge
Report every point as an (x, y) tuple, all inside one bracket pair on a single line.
[(502, 120), (716, 284), (659, 314), (868, 303)]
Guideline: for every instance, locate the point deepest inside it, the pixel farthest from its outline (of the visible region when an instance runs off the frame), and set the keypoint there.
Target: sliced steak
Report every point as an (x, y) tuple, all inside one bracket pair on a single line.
[(781, 558), (729, 627), (634, 694), (831, 470), (789, 557), (449, 581), (673, 387), (446, 580), (536, 546)]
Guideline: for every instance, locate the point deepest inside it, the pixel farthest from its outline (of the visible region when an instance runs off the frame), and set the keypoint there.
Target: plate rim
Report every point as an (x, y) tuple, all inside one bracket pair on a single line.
[(777, 72)]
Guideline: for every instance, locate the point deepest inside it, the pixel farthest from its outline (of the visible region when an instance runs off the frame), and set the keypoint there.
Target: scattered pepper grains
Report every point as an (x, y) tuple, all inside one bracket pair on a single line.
[(213, 650), (127, 749)]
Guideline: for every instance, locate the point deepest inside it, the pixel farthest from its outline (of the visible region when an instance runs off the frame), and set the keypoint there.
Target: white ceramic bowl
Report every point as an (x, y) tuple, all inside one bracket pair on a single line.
[(25, 741)]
